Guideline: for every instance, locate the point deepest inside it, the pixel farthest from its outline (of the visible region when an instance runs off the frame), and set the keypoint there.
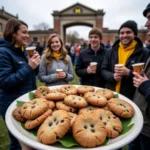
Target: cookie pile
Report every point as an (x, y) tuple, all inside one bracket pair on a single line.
[(91, 116)]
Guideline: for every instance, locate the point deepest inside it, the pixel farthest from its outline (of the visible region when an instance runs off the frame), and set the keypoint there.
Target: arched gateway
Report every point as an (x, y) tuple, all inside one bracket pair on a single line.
[(77, 14)]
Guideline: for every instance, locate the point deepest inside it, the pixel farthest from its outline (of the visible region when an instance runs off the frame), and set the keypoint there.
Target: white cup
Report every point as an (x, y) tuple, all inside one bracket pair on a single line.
[(59, 70), (93, 63), (119, 65)]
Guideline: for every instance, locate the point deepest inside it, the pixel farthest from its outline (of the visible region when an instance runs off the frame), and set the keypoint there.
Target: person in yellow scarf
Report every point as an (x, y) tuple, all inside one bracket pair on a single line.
[(127, 50), (55, 57)]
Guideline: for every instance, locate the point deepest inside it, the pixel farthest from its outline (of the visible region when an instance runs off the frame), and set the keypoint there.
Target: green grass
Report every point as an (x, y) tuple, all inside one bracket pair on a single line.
[(4, 139)]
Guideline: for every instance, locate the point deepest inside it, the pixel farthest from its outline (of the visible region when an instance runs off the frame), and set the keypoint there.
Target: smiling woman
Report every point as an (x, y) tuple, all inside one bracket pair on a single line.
[(16, 70), (55, 57)]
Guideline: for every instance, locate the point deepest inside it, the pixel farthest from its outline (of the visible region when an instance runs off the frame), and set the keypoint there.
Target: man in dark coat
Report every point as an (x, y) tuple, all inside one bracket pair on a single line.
[(142, 94), (91, 75), (127, 50)]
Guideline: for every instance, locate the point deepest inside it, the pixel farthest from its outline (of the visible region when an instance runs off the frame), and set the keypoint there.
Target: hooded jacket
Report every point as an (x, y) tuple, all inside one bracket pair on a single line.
[(140, 54), (16, 76)]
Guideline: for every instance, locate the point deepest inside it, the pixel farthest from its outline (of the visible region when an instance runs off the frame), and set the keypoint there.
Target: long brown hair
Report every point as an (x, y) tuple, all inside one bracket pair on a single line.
[(12, 27), (48, 52)]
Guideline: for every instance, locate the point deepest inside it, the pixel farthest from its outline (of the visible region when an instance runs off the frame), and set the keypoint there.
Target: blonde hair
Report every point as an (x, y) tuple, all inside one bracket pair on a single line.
[(49, 50)]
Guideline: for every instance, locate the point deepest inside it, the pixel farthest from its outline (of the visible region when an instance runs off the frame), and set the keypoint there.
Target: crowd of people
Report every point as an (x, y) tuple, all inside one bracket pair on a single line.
[(18, 71)]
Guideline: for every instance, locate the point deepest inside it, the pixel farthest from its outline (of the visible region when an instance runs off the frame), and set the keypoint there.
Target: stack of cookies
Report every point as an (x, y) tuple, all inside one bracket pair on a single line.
[(91, 116)]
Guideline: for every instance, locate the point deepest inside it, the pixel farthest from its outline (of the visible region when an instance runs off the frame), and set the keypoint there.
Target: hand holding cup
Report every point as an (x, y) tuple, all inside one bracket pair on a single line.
[(92, 68), (60, 74)]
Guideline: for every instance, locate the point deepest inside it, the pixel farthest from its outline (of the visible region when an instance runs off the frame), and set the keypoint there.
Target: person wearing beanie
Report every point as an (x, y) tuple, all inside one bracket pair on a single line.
[(130, 24), (95, 52), (142, 94)]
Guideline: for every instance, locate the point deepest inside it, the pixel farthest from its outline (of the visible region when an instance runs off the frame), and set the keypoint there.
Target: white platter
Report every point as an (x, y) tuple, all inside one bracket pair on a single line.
[(16, 129)]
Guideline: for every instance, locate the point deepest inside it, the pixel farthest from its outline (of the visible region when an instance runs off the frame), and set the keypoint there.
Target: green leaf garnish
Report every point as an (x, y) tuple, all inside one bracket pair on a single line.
[(106, 141), (31, 95), (126, 124), (68, 141), (116, 95), (19, 103)]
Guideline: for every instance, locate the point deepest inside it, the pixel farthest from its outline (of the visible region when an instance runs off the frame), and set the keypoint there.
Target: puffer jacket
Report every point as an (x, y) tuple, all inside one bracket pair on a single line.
[(16, 76), (140, 54)]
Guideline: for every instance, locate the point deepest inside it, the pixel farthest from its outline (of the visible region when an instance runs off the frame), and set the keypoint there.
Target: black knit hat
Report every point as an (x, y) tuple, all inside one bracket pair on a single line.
[(130, 24), (146, 10)]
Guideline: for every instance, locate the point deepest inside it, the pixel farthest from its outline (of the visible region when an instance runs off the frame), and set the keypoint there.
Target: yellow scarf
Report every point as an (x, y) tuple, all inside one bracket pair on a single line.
[(123, 55), (56, 55), (22, 47)]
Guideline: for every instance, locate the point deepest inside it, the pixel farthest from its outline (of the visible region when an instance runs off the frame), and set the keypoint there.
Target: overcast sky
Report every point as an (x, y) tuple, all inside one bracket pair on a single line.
[(34, 12)]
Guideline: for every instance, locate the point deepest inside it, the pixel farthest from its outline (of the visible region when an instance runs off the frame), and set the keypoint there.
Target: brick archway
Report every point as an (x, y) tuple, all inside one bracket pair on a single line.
[(77, 14)]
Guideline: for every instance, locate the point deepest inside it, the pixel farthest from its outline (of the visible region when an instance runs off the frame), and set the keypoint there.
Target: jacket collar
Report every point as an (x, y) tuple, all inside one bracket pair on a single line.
[(137, 48)]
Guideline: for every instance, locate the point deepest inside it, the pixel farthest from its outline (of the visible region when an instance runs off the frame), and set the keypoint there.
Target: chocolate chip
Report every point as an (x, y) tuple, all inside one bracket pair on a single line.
[(100, 118), (75, 103), (108, 117), (55, 119), (105, 123), (62, 121), (25, 107), (92, 125), (57, 122), (93, 130), (50, 124), (70, 109), (57, 137), (85, 127)]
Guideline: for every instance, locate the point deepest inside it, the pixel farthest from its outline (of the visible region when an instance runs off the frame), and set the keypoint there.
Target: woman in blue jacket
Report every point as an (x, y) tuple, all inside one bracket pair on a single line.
[(17, 71)]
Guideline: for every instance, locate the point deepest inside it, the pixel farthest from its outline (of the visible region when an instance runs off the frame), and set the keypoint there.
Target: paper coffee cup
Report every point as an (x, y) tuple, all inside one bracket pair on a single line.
[(59, 70), (93, 63), (139, 68), (119, 65), (30, 50)]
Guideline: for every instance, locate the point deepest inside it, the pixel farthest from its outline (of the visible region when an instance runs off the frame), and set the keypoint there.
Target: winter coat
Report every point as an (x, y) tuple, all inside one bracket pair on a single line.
[(47, 74), (16, 76), (86, 56), (140, 54), (142, 100)]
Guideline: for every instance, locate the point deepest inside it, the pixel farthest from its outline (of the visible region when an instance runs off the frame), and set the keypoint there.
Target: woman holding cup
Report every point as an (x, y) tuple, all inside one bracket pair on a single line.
[(17, 72), (56, 66)]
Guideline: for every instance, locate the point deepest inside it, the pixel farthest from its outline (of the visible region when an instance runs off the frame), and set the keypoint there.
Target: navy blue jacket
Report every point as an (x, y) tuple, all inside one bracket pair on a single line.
[(16, 76)]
